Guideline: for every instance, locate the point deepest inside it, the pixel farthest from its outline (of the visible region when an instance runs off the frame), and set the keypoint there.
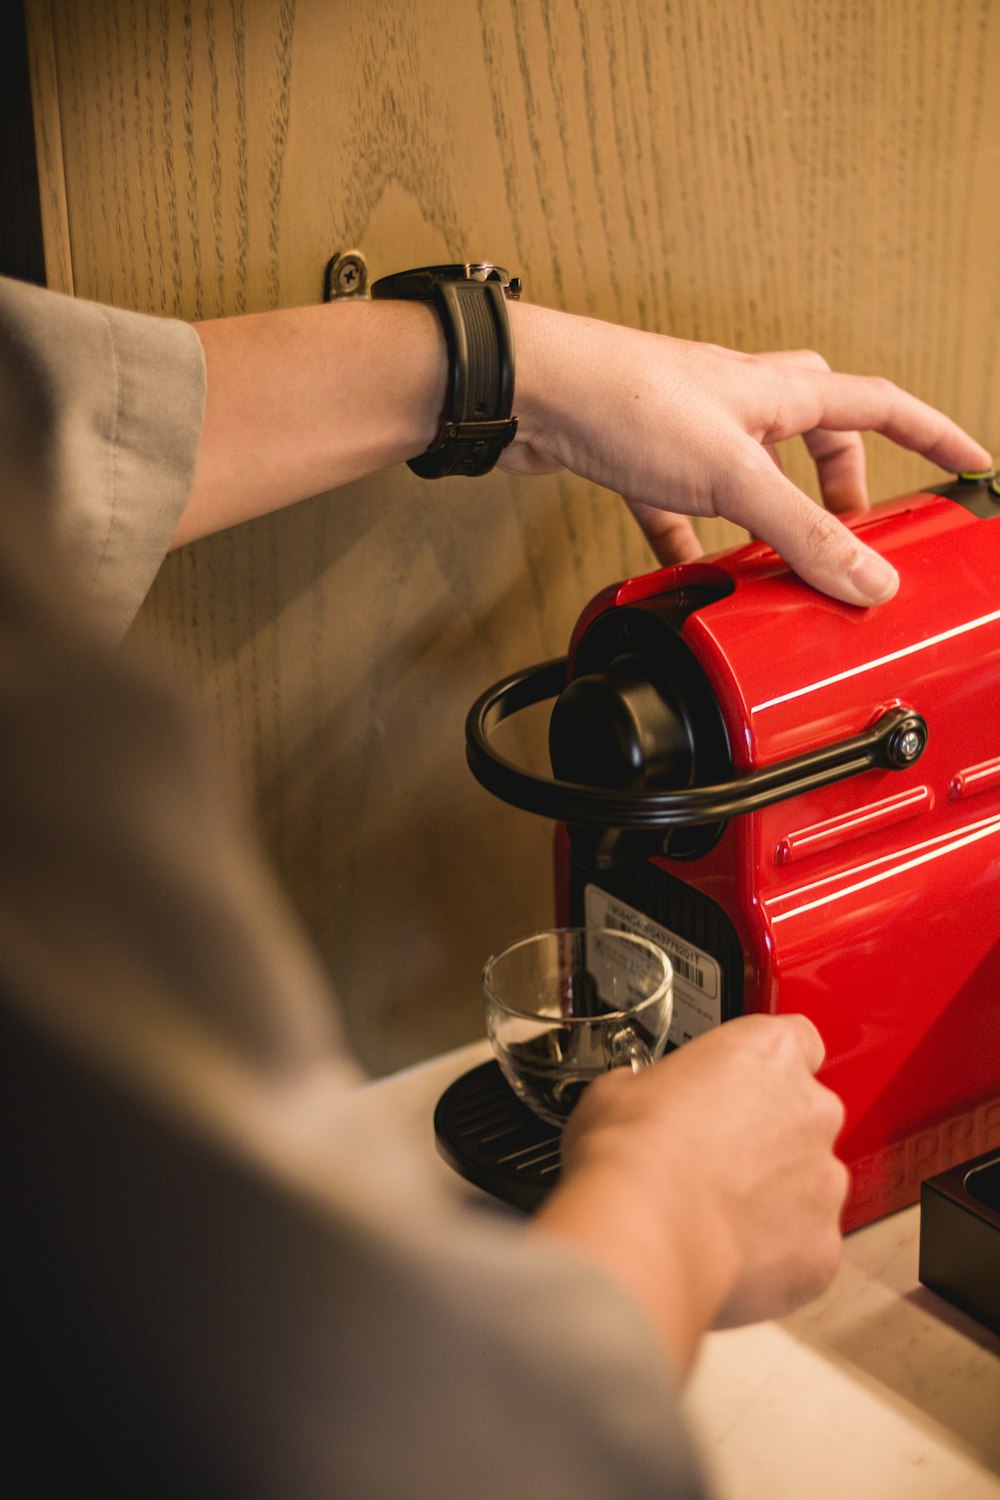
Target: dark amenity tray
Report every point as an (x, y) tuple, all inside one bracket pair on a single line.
[(960, 1237)]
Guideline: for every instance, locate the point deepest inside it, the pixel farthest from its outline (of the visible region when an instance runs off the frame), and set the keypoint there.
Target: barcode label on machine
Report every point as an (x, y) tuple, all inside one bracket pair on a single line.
[(697, 975), (689, 971)]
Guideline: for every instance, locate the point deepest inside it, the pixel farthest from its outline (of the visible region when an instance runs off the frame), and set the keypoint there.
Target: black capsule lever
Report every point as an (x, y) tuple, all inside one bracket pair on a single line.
[(895, 742)]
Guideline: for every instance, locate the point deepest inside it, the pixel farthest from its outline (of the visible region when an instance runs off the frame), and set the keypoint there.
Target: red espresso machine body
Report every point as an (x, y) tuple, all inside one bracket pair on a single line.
[(837, 847)]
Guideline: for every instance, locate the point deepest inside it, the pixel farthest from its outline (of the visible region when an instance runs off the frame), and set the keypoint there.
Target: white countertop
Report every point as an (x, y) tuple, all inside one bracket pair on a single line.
[(878, 1391)]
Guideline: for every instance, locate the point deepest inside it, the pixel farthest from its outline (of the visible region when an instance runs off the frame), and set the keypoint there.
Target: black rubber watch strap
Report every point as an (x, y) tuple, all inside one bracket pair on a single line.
[(471, 302)]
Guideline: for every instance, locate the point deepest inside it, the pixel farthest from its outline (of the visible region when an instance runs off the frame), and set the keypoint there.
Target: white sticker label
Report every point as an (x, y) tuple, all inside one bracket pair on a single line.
[(697, 975)]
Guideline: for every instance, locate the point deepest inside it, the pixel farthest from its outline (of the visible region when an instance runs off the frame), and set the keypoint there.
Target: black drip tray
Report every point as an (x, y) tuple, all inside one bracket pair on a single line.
[(489, 1137)]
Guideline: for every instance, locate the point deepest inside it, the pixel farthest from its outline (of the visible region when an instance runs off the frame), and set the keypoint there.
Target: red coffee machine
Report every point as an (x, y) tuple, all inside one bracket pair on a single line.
[(800, 800)]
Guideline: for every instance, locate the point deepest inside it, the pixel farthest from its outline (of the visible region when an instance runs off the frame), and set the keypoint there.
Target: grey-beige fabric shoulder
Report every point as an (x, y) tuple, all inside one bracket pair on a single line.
[(209, 1292)]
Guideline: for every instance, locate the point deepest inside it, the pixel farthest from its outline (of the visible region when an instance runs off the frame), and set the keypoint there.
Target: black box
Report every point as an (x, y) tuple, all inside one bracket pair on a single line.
[(960, 1237)]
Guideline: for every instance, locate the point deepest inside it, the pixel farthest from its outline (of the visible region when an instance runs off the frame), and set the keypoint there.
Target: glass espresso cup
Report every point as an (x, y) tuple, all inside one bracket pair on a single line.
[(566, 1005)]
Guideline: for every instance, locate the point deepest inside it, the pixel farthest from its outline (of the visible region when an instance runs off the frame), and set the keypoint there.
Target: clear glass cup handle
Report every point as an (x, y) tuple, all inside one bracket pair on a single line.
[(626, 1049)]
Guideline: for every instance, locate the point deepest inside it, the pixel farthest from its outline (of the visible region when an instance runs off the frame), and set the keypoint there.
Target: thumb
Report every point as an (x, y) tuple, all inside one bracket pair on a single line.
[(814, 544)]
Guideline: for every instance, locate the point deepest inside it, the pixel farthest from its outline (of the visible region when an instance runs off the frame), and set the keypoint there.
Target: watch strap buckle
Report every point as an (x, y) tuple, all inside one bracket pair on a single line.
[(500, 431)]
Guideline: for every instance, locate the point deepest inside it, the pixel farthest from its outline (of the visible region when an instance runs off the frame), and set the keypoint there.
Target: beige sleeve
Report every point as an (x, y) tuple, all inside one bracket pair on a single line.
[(112, 405)]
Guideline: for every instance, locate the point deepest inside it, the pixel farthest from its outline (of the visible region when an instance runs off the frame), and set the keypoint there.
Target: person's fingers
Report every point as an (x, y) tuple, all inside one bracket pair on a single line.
[(814, 544), (671, 537), (840, 466), (807, 1039), (821, 399), (810, 358), (839, 456), (769, 1032)]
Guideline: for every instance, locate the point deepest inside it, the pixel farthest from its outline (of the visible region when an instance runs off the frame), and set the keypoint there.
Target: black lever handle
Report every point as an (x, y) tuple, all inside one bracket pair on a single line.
[(894, 742)]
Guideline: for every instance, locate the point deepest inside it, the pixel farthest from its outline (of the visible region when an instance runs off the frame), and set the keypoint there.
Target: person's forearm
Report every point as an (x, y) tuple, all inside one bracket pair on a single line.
[(306, 399), (303, 400)]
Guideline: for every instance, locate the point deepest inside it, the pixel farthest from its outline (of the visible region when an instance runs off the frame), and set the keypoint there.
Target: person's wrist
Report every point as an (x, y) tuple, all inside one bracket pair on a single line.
[(541, 334), (575, 386), (540, 379)]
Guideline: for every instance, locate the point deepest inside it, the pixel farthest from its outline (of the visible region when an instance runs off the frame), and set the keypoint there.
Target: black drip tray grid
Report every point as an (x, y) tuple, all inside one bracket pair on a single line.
[(492, 1139)]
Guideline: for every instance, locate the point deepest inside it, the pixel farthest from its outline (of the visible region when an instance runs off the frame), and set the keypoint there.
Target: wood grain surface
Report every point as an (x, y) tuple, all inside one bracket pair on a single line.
[(760, 173)]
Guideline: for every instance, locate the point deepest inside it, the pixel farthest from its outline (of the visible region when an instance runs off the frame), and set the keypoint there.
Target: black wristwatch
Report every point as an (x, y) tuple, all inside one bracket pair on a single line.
[(471, 301)]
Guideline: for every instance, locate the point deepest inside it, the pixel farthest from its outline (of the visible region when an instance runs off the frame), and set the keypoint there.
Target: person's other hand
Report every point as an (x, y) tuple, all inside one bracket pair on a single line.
[(707, 1184), (683, 429)]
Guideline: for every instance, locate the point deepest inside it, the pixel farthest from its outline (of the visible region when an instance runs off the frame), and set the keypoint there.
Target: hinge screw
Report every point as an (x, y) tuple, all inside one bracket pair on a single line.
[(907, 744), (346, 276)]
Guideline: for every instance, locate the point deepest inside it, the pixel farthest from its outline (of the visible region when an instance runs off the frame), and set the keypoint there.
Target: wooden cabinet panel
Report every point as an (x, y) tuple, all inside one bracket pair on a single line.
[(757, 173)]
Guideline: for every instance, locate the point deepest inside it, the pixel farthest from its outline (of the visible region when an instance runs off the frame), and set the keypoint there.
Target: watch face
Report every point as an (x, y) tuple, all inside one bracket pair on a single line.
[(418, 282), (470, 271), (484, 271)]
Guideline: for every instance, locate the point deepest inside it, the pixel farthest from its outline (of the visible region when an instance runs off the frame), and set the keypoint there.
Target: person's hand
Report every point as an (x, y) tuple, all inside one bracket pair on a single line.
[(707, 1184), (683, 429)]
